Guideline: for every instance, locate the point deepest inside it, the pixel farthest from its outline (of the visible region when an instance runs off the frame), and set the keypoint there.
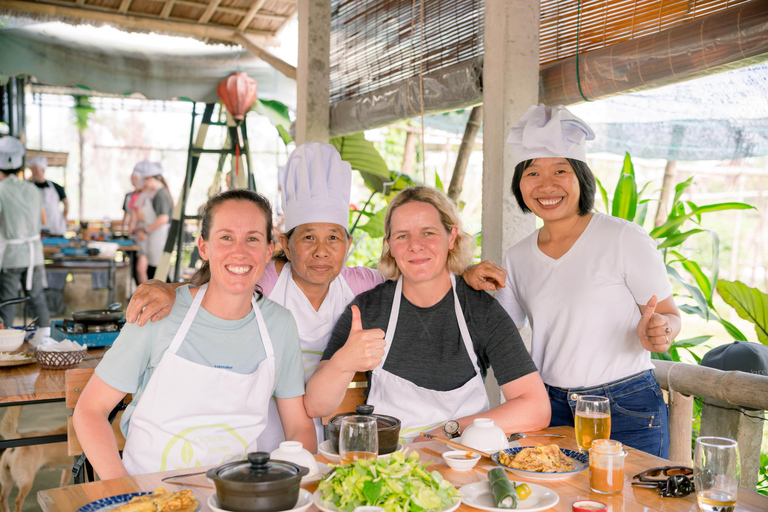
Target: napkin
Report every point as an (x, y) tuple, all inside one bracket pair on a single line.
[(62, 346)]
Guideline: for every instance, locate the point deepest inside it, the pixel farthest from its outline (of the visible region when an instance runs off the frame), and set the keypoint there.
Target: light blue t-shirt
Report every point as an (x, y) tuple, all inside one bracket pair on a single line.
[(233, 345)]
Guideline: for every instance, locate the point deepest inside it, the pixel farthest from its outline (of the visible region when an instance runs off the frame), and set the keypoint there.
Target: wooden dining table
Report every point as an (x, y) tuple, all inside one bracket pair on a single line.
[(72, 498)]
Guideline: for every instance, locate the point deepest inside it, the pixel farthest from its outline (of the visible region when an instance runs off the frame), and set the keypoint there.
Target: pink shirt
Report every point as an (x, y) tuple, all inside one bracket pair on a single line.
[(359, 279)]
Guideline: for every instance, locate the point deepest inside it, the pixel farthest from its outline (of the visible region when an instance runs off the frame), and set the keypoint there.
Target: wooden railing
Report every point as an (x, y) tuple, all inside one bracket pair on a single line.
[(724, 395)]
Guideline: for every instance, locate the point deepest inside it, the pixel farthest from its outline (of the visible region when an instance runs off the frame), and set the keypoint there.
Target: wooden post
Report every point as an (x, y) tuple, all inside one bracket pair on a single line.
[(680, 428)]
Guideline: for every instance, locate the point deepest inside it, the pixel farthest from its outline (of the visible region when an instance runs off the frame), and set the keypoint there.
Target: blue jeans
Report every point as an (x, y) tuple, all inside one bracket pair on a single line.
[(639, 415)]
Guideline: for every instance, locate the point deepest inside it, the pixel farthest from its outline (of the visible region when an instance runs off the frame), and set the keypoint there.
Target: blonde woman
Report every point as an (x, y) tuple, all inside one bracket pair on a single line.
[(425, 338)]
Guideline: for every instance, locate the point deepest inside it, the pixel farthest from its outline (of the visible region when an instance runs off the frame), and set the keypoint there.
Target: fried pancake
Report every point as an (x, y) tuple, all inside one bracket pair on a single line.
[(162, 500), (542, 459)]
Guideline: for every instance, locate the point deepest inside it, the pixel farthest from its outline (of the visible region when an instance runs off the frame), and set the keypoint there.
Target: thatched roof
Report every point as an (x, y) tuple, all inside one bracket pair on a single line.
[(215, 21)]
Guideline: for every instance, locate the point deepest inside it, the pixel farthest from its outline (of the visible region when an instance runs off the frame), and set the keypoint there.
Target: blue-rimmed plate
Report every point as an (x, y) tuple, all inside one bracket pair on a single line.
[(107, 504), (581, 461)]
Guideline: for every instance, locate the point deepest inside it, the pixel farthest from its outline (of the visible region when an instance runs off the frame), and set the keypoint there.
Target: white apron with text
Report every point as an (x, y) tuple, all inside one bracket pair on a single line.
[(421, 409), (315, 329), (192, 415)]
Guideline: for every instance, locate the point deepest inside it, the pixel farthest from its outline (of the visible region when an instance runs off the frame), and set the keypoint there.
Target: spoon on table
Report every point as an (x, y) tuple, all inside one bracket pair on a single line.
[(520, 435)]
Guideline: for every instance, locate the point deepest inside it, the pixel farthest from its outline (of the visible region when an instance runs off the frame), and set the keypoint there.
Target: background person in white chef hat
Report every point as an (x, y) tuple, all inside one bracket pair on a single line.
[(21, 251), (594, 287), (308, 277), (52, 194)]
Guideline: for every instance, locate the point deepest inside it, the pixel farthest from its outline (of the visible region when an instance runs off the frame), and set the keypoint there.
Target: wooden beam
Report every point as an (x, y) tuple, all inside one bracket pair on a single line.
[(232, 10), (124, 5), (80, 2), (157, 24), (260, 52), (167, 8), (250, 14), (209, 11)]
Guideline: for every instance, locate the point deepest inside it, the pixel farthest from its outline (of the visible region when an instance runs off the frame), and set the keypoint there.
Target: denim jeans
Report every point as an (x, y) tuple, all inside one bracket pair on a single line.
[(639, 415)]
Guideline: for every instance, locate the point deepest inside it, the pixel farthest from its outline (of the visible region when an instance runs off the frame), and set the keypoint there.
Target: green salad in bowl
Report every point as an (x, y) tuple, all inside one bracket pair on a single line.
[(396, 484)]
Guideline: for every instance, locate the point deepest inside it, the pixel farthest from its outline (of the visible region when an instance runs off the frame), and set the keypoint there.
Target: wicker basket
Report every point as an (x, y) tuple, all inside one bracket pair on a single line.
[(49, 360)]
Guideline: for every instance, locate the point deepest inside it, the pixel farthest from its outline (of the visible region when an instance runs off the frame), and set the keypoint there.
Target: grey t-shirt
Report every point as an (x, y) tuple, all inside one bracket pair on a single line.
[(427, 348), (162, 203)]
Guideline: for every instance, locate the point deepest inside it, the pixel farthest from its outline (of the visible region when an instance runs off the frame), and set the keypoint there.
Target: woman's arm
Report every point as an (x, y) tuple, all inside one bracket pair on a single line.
[(486, 275), (91, 420), (159, 221), (526, 408), (363, 351), (659, 324), (298, 426), (152, 300)]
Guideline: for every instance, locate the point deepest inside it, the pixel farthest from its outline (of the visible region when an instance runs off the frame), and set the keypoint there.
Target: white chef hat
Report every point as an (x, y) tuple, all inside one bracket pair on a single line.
[(39, 161), (147, 169), (545, 132), (315, 184), (11, 153)]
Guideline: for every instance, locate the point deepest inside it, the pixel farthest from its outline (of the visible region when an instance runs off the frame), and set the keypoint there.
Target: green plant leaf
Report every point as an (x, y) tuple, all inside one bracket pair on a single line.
[(673, 223), (625, 195), (83, 112), (662, 356), (375, 225), (677, 239), (680, 188), (696, 293), (731, 329), (604, 194), (691, 342), (750, 303), (692, 310), (439, 183), (642, 211), (363, 157), (701, 279)]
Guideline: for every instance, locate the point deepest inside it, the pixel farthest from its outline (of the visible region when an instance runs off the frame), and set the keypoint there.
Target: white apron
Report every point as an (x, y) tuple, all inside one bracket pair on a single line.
[(155, 242), (315, 329), (56, 224), (421, 409), (30, 241), (192, 415)]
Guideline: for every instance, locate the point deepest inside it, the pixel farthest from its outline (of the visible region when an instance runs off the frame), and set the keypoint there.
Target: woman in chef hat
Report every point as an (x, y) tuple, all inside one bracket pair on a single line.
[(593, 287), (309, 277)]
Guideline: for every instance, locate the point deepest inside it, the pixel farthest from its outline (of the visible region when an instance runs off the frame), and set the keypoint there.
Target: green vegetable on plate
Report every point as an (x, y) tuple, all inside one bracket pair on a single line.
[(397, 484), (503, 489)]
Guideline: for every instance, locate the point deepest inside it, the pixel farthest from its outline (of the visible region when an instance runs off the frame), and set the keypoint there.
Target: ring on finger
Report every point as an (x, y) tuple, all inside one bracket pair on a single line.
[(667, 330), (666, 338)]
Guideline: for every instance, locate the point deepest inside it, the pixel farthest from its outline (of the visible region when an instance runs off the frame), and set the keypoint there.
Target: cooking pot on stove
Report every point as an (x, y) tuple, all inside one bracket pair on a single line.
[(111, 314), (388, 427), (257, 484)]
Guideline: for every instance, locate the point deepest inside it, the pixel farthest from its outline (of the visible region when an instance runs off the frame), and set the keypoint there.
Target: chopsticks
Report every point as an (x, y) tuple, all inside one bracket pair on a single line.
[(454, 444)]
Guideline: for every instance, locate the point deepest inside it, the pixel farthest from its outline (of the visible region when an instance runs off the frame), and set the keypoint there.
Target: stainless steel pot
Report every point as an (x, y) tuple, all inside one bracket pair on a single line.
[(257, 484)]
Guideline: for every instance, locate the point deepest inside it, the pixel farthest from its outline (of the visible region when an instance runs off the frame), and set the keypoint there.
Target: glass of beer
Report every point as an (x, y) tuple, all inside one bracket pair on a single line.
[(716, 473), (593, 420), (358, 439)]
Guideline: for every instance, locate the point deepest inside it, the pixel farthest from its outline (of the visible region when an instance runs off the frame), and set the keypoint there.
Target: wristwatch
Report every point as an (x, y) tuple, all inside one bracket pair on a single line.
[(451, 429)]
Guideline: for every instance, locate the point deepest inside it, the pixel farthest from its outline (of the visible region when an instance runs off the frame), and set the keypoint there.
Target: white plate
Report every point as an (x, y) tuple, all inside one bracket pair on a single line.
[(510, 444), (581, 463), (479, 495), (326, 506), (322, 470), (326, 450), (305, 500), (112, 502)]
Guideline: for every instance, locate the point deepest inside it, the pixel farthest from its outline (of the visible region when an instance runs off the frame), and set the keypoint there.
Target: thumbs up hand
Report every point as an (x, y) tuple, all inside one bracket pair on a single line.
[(653, 329), (364, 348)]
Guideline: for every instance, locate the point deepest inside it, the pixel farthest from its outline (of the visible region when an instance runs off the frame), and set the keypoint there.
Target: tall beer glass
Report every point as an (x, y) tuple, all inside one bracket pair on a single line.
[(593, 420), (716, 473)]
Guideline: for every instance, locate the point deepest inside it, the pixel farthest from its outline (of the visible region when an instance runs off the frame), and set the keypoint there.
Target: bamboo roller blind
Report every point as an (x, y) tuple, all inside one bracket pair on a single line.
[(373, 44)]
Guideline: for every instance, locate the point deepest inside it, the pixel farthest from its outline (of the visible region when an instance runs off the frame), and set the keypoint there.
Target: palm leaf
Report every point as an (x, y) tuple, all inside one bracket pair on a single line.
[(674, 222), (750, 303)]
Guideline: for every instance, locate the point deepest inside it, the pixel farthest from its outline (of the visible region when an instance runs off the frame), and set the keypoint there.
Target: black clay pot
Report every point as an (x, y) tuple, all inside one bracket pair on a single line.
[(389, 429), (257, 484)]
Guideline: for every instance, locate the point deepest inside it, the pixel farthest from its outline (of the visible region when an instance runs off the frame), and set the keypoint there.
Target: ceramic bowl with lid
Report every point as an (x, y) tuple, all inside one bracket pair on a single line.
[(257, 484), (388, 428)]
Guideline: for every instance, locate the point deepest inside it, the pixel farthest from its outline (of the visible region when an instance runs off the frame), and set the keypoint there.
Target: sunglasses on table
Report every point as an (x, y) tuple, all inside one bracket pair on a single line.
[(675, 481)]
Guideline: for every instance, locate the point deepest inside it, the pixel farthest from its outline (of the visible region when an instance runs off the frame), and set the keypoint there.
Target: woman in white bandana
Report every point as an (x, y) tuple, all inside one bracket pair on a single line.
[(426, 338), (316, 288), (593, 287), (203, 377)]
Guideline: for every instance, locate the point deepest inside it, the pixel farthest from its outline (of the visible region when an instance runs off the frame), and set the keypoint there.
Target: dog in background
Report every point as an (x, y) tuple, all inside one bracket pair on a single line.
[(18, 466)]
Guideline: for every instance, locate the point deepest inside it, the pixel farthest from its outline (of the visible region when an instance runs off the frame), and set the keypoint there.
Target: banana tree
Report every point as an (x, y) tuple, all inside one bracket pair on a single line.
[(670, 236)]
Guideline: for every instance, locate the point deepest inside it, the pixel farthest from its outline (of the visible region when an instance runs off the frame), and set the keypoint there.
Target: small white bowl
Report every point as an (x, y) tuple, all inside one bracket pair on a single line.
[(458, 460), (11, 339), (485, 436), (293, 451)]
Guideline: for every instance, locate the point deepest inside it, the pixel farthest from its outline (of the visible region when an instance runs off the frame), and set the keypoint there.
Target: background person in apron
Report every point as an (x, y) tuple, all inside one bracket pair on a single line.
[(21, 251), (425, 338), (594, 287), (154, 214), (308, 275), (202, 378), (52, 194)]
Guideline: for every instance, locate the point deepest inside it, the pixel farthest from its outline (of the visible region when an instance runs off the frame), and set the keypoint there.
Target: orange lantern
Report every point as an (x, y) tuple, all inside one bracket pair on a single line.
[(237, 92)]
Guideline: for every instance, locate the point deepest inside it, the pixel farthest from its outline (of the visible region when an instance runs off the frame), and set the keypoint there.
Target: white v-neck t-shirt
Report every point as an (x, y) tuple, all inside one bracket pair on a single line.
[(583, 307)]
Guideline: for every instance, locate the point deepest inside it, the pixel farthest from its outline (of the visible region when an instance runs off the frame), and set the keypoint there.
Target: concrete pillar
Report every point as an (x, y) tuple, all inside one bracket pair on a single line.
[(510, 86), (313, 71)]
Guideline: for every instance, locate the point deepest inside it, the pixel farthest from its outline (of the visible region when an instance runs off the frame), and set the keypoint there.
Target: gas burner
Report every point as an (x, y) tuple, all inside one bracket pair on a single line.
[(72, 327)]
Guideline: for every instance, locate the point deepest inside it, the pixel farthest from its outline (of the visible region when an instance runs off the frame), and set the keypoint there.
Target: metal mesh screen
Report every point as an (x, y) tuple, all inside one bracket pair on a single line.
[(375, 43)]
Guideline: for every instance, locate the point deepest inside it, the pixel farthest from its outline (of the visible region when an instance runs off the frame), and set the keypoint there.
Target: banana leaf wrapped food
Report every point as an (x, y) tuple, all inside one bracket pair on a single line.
[(502, 488)]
